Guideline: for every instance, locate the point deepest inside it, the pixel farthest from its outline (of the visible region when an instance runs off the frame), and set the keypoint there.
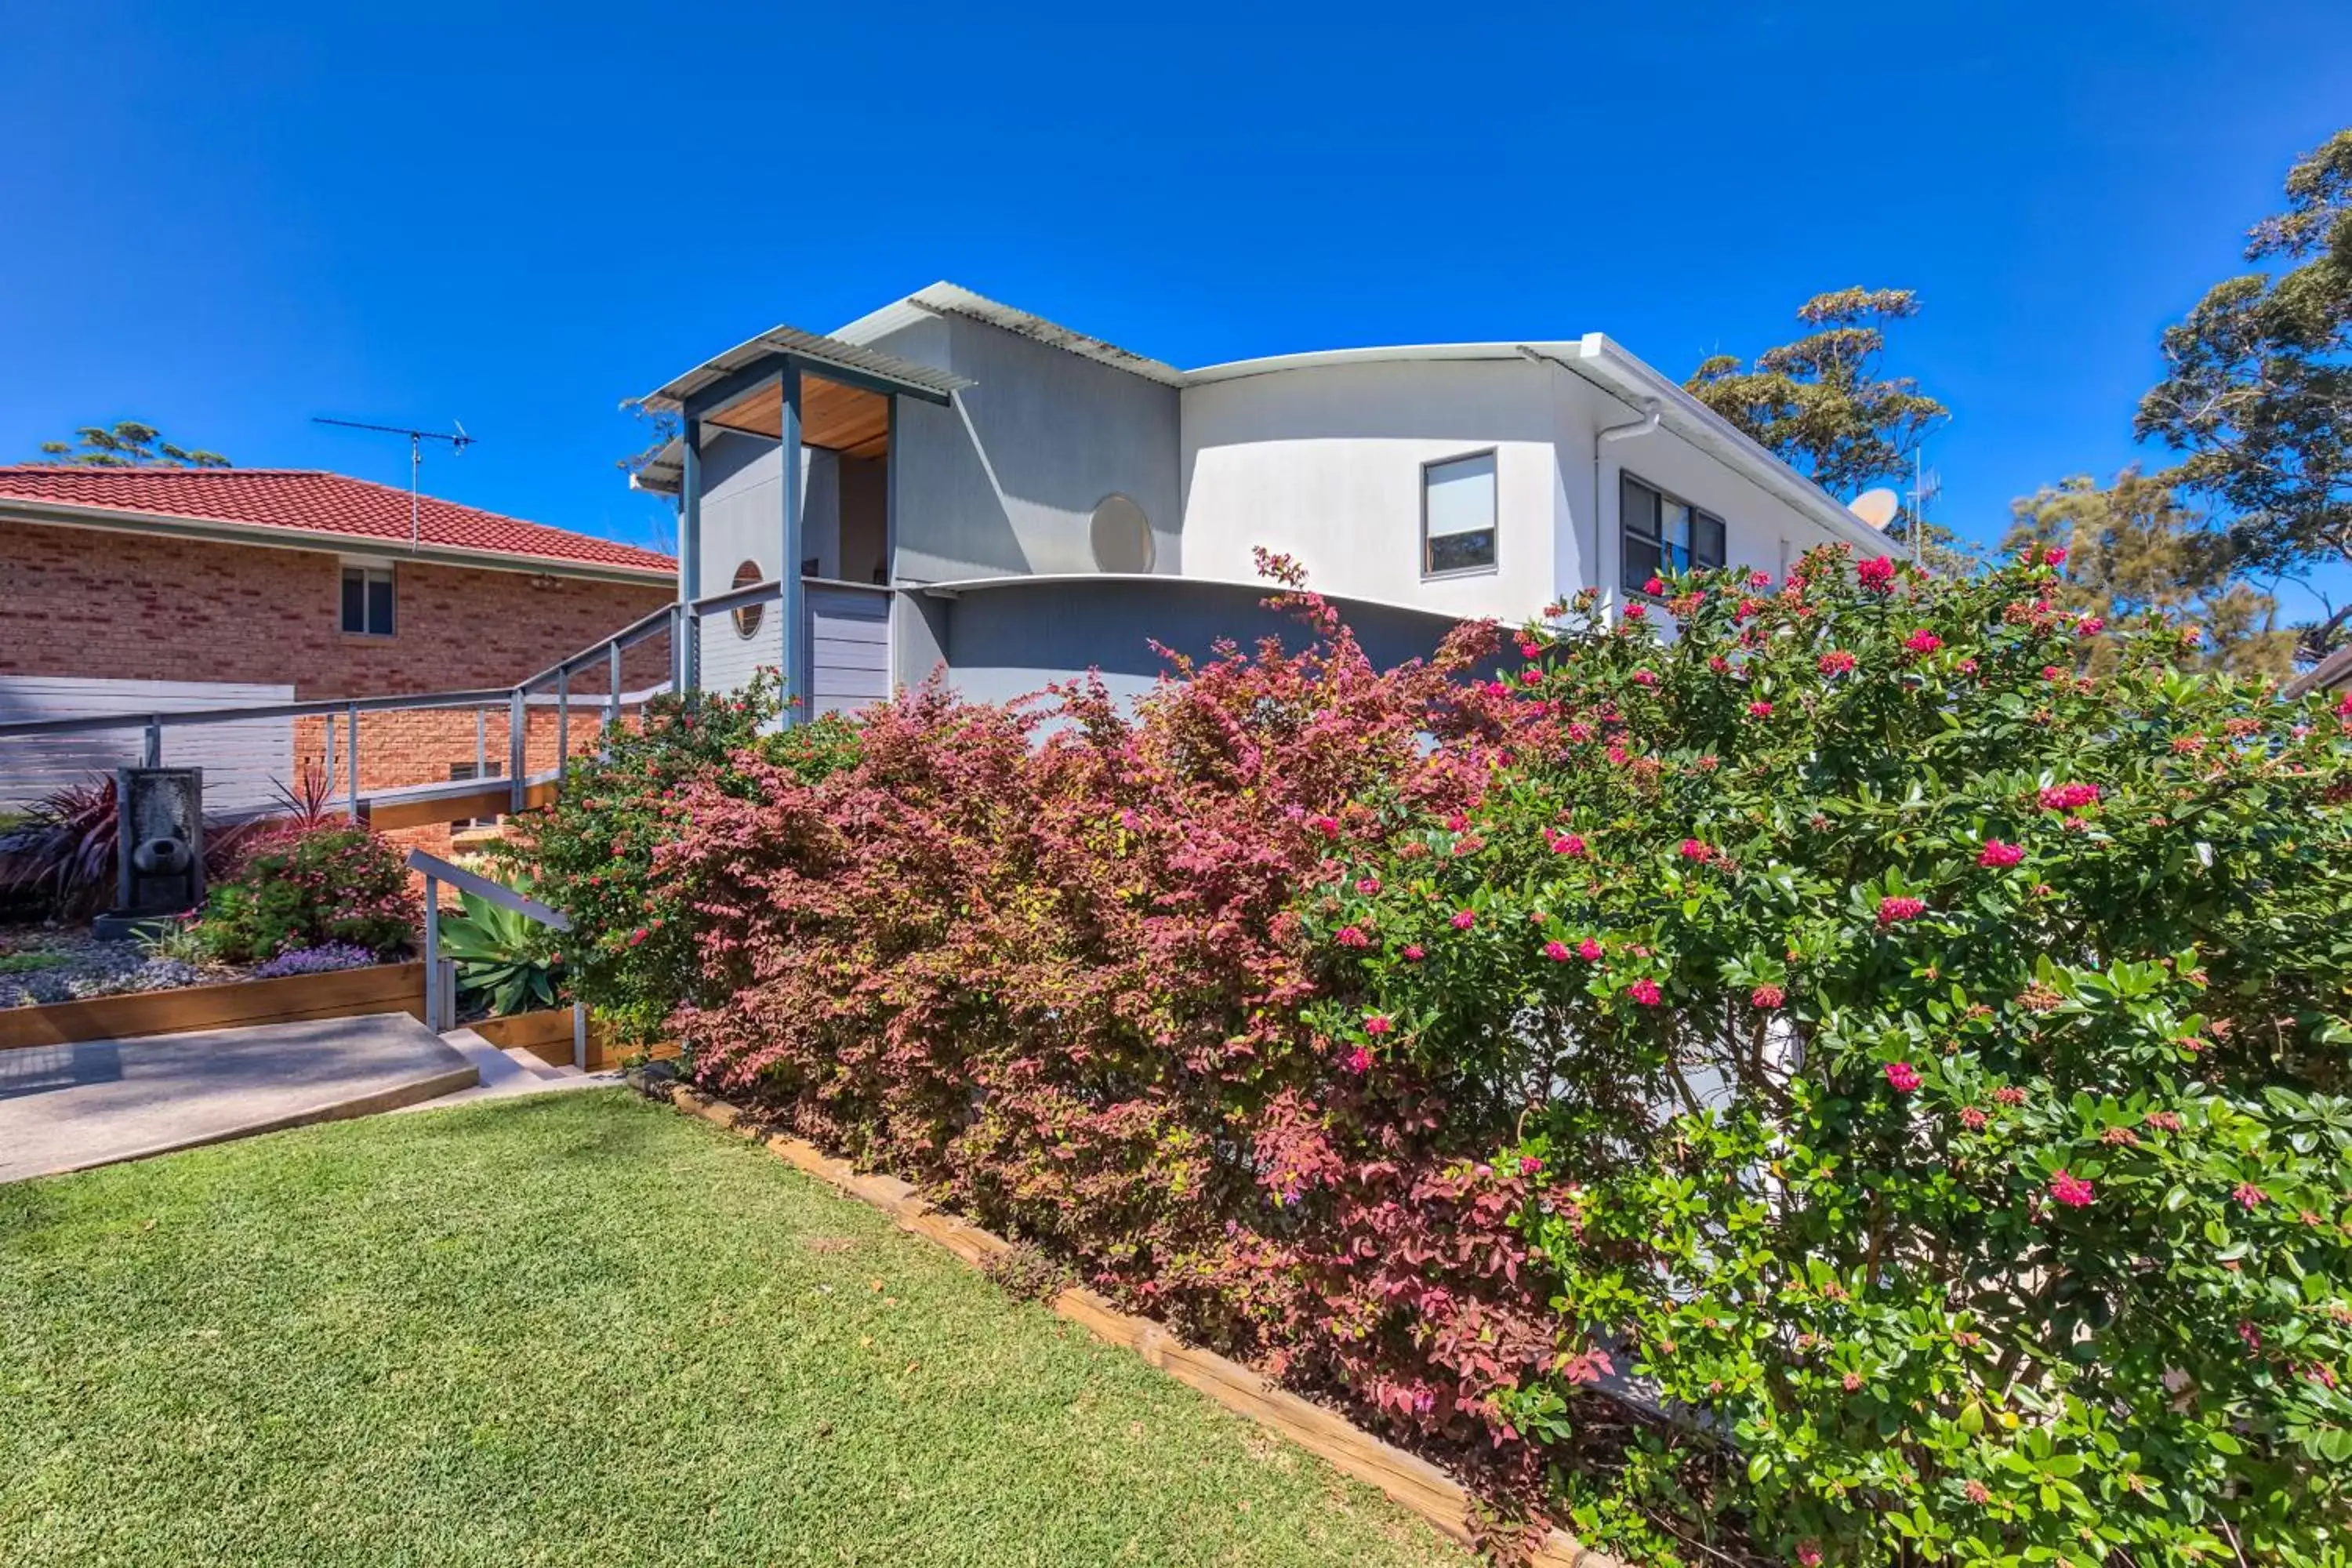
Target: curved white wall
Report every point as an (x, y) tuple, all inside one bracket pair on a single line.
[(1325, 464)]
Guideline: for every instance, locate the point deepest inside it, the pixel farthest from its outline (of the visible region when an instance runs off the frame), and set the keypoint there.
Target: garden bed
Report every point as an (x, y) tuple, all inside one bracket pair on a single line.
[(340, 993)]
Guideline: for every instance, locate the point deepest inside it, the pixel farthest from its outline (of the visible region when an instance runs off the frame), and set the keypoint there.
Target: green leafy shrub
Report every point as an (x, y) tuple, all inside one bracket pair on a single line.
[(335, 885), (593, 853), (1920, 1069)]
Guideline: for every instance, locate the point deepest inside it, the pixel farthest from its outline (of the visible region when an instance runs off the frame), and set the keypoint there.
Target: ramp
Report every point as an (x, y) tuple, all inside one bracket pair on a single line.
[(93, 1102)]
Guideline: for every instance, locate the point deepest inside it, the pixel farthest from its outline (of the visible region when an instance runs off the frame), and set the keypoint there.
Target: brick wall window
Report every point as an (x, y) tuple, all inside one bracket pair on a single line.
[(458, 772), (367, 601)]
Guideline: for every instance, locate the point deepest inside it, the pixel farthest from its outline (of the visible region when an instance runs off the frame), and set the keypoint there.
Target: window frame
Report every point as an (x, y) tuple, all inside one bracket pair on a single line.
[(1493, 563), (369, 572), (1626, 582)]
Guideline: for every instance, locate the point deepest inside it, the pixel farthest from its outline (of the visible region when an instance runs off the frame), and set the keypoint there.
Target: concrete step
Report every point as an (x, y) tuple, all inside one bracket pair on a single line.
[(506, 1073)]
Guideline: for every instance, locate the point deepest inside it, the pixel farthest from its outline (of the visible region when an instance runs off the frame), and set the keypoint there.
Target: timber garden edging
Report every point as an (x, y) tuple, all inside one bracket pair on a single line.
[(1407, 1479), (292, 998)]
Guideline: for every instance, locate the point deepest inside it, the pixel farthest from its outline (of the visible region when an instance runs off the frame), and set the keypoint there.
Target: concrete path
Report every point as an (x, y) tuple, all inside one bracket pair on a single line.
[(64, 1107), (506, 1073)]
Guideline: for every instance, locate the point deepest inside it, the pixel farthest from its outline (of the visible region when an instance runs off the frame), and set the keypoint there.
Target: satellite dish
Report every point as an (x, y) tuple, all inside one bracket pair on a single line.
[(1876, 508)]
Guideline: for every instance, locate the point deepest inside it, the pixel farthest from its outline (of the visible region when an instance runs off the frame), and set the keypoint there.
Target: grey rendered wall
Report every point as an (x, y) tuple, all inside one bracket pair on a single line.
[(1005, 481), (1001, 642)]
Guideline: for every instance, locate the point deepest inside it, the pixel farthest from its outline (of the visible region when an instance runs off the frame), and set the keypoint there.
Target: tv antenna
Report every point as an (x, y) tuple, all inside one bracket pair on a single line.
[(417, 439), (1927, 485)]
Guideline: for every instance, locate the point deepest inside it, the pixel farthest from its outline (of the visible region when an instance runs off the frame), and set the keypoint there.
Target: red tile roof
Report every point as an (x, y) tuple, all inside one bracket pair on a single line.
[(308, 500)]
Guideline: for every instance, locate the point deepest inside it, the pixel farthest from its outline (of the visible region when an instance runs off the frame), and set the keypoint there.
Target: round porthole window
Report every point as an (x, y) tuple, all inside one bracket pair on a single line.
[(748, 618), (1122, 536)]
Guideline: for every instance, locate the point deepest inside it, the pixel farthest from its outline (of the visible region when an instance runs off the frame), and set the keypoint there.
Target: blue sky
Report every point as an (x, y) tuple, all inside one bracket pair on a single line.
[(227, 219)]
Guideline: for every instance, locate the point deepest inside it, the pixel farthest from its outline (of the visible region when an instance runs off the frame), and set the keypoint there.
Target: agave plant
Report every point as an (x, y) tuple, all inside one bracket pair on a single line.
[(505, 961)]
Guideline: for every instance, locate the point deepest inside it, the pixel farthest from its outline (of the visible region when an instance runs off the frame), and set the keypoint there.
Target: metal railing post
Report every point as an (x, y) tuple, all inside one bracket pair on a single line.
[(352, 751), (579, 1036), (330, 760), (613, 694), (563, 725), (481, 742), (151, 750), (433, 1019), (518, 759)]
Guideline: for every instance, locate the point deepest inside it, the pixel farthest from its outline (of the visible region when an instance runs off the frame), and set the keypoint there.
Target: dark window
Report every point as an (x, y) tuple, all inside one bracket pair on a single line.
[(1457, 515), (1661, 534), (367, 601)]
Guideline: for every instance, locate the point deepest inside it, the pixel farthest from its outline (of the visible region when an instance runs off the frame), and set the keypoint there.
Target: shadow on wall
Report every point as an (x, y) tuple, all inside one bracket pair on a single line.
[(999, 643)]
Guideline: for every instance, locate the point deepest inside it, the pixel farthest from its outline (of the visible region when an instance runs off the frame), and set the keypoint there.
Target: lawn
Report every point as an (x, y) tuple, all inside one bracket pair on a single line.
[(584, 1329)]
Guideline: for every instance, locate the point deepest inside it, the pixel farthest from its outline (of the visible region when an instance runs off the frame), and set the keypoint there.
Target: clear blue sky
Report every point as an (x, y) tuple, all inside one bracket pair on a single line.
[(224, 220)]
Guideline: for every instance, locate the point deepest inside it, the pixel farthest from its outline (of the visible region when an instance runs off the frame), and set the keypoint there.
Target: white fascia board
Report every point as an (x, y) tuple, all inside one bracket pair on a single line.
[(1606, 364), (1321, 359)]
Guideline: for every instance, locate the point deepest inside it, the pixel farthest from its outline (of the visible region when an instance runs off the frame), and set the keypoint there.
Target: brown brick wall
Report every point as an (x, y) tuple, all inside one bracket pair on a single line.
[(106, 605)]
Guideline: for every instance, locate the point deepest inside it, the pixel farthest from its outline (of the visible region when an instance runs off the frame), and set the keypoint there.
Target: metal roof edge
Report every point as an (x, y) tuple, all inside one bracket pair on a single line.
[(954, 299), (1056, 579)]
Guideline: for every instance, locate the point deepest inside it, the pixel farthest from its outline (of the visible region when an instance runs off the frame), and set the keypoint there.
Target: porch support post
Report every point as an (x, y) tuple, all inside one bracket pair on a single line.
[(689, 554), (353, 751), (791, 611), (433, 1019)]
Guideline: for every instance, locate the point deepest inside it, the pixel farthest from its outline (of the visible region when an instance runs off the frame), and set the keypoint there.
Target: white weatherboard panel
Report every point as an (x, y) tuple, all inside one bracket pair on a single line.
[(244, 760)]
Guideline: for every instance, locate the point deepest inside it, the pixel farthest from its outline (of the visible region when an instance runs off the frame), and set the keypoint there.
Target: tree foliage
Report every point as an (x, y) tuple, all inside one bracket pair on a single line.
[(2258, 384), (1823, 404), (2132, 549), (127, 444)]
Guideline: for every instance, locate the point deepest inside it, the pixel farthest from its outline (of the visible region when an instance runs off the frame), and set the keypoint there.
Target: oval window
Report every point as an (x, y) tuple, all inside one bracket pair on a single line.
[(1122, 536), (748, 618)]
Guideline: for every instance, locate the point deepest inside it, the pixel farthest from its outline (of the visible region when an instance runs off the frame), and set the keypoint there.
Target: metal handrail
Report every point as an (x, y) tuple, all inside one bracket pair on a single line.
[(440, 992)]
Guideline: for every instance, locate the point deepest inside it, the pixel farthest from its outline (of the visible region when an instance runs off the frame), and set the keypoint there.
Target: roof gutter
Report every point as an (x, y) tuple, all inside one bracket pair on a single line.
[(214, 531)]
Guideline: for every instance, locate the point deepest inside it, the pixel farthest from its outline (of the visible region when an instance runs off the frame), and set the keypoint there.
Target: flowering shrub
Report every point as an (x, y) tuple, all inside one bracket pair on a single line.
[(333, 886), (1920, 1077), (591, 855)]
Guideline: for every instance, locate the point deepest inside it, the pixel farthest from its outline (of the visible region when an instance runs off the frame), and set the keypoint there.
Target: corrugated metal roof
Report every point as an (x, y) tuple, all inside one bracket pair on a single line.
[(921, 379), (951, 300)]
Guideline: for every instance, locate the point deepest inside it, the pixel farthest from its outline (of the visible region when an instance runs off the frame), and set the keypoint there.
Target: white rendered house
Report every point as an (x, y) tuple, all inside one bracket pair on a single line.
[(982, 488)]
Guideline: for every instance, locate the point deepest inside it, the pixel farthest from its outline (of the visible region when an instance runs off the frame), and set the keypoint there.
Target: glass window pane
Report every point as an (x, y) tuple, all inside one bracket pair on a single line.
[(354, 599), (1707, 539), (1458, 502), (1675, 530), (379, 604), (1638, 505), (1641, 563)]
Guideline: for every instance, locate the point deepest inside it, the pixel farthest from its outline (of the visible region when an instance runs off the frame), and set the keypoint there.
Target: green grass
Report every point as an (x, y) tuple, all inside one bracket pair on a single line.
[(584, 1329)]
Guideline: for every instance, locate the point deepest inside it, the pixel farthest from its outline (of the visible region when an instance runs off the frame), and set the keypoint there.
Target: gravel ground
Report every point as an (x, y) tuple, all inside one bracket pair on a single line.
[(91, 968)]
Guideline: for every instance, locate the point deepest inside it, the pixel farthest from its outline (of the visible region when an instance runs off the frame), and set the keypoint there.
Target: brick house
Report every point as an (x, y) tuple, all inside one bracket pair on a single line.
[(147, 590)]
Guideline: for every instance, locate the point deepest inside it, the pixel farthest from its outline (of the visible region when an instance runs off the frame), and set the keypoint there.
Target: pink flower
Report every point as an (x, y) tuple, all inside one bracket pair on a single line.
[(1463, 920), (636, 936), (2250, 1197), (1837, 661), (2069, 797), (1529, 1165), (1899, 907), (1809, 1554), (1995, 854), (1498, 689), (2092, 627), (1965, 667), (1693, 850), (1636, 611), (1653, 587), (1379, 1024), (1368, 886), (1353, 936), (2055, 555), (1764, 998), (1760, 710), (1760, 579), (1414, 953), (2010, 1094), (1901, 1077), (1876, 574), (1646, 677), (1328, 826), (2070, 1190), (1531, 676), (1973, 1119), (1557, 952), (1645, 992), (1567, 844), (1359, 1061), (1456, 823), (1923, 641), (1529, 650), (1588, 951)]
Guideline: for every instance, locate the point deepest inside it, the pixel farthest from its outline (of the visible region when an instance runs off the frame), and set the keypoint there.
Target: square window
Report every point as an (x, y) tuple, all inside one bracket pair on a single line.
[(1457, 515), (367, 601), (1658, 533), (460, 772)]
